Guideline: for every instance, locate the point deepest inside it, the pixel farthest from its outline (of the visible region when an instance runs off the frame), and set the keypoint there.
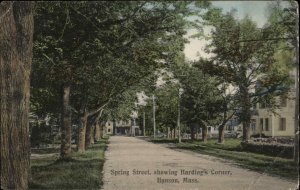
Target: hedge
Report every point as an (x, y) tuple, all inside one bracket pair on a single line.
[(280, 150)]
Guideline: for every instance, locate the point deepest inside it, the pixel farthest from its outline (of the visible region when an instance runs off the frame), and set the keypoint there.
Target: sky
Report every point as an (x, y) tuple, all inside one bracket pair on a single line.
[(257, 10)]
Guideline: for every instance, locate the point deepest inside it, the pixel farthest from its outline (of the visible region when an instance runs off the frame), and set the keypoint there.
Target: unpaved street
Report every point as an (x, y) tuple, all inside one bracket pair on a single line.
[(135, 164)]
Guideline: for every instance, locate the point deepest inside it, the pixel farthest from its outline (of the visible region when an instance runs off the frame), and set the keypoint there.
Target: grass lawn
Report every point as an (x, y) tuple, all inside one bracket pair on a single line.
[(82, 171), (232, 150)]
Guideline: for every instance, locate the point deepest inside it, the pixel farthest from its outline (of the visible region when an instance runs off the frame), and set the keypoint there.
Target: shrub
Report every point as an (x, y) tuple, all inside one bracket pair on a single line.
[(40, 135), (258, 135), (280, 150)]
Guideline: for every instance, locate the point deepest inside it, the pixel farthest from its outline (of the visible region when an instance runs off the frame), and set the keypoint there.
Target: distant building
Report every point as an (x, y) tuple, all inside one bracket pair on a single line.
[(121, 127), (108, 127), (233, 124), (281, 124)]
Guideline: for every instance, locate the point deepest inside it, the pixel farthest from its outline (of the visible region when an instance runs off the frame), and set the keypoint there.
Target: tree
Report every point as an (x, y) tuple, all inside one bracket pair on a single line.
[(52, 48), (285, 21), (167, 106), (243, 61), (65, 55), (16, 34), (136, 38), (201, 100), (227, 108)]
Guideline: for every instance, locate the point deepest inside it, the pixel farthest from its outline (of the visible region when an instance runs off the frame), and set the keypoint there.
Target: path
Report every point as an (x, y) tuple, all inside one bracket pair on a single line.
[(132, 164)]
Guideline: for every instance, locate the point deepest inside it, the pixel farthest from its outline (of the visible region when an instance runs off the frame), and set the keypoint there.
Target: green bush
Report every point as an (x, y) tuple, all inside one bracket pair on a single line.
[(40, 134), (259, 135), (284, 151)]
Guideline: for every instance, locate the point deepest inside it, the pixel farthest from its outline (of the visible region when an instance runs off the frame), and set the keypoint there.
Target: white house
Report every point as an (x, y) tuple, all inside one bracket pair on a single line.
[(121, 127), (280, 124), (108, 127)]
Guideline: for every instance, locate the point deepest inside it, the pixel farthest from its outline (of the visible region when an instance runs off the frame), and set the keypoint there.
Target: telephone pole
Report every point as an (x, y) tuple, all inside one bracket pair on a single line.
[(153, 98)]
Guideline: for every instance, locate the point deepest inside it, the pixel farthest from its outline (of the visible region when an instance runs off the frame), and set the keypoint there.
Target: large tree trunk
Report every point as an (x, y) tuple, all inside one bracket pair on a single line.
[(192, 132), (204, 134), (221, 138), (246, 131), (90, 128), (174, 133), (97, 128), (102, 130), (16, 30), (92, 134), (66, 130), (168, 133), (246, 106), (197, 133), (114, 127), (81, 133), (88, 135), (245, 112), (97, 136)]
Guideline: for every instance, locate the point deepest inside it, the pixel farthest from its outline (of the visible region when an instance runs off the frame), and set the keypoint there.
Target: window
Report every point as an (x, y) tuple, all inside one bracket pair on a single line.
[(108, 130), (108, 123), (261, 124), (265, 102), (267, 124), (282, 124), (283, 101)]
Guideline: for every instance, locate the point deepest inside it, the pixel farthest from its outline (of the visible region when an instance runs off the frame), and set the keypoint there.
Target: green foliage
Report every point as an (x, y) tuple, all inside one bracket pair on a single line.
[(167, 106), (40, 134), (121, 106), (276, 150), (201, 100), (102, 53), (248, 58), (282, 21)]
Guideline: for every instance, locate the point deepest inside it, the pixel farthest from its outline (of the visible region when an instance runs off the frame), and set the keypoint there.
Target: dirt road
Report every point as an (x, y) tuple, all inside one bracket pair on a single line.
[(135, 164)]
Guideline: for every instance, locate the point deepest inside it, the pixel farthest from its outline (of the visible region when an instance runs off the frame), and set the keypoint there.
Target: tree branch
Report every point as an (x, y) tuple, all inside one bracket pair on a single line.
[(98, 109), (267, 39), (74, 110)]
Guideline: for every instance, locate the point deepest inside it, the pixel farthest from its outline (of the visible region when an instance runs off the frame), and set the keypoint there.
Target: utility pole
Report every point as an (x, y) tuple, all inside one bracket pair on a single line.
[(153, 98), (180, 90), (144, 124), (296, 145), (178, 119)]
